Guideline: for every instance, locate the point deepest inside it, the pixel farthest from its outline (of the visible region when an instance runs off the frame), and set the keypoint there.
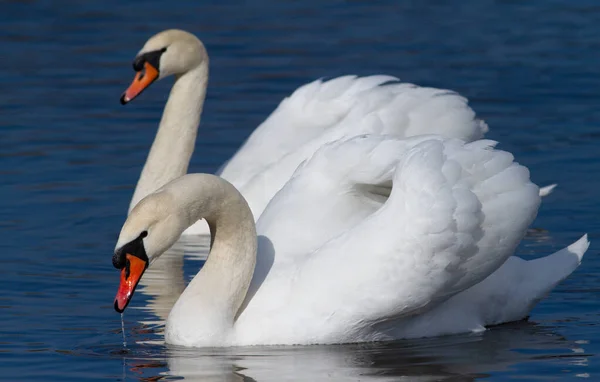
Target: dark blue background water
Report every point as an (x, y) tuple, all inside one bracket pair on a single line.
[(70, 156)]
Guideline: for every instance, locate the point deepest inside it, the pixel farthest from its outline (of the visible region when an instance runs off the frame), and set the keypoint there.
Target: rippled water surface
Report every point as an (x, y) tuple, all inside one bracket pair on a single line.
[(70, 155)]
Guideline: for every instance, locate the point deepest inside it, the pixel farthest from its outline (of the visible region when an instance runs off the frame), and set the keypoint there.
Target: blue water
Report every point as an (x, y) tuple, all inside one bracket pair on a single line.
[(70, 155)]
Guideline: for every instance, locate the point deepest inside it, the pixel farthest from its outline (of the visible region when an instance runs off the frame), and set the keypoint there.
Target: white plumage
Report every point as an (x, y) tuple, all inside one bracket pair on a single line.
[(372, 238)]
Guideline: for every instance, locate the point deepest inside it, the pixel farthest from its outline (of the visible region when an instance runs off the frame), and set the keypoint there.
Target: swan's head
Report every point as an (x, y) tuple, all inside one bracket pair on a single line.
[(151, 228), (170, 52)]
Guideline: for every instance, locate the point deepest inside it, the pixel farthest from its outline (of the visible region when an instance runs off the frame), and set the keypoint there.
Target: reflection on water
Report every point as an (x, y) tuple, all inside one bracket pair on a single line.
[(164, 281), (439, 359), (451, 358)]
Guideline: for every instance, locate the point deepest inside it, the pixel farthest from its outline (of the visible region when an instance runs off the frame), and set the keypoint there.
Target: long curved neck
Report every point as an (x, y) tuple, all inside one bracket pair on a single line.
[(174, 143), (206, 310)]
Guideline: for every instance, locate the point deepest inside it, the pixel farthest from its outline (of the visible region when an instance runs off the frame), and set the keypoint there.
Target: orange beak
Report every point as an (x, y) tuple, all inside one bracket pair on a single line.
[(141, 81), (130, 277)]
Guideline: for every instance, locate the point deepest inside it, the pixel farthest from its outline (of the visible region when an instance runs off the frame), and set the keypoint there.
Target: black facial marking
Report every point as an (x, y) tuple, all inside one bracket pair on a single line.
[(135, 248), (127, 269), (138, 63), (153, 58), (142, 74)]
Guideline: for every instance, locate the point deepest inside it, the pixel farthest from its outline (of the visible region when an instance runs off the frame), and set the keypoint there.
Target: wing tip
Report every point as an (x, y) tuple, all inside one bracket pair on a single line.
[(547, 190), (580, 247)]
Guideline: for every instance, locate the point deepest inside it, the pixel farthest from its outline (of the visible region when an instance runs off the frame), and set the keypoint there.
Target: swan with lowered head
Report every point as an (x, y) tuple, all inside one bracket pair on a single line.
[(316, 113), (373, 238)]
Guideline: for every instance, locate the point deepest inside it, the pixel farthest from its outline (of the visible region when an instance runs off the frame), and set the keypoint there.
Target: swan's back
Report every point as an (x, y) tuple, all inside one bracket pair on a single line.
[(342, 103), (455, 212)]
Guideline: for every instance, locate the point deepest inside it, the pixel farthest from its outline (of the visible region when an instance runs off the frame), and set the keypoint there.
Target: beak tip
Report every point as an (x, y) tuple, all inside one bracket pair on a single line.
[(117, 308), (124, 99)]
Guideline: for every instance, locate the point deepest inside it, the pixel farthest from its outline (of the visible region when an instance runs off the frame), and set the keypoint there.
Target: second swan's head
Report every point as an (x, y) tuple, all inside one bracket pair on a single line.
[(150, 229), (170, 52)]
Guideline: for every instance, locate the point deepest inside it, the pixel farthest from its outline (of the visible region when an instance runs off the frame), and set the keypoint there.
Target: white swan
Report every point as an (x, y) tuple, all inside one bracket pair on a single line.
[(373, 238), (316, 113)]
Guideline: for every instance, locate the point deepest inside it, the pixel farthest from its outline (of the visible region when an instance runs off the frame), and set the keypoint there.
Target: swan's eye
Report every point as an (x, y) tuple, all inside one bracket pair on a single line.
[(153, 58), (133, 248), (138, 63)]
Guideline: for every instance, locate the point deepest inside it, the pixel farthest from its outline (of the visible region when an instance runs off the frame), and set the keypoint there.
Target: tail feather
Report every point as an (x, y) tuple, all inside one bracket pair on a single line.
[(509, 294), (519, 285), (556, 267)]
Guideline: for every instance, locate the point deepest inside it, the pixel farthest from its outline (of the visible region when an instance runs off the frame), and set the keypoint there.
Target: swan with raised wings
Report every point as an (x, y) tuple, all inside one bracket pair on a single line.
[(316, 113), (373, 238)]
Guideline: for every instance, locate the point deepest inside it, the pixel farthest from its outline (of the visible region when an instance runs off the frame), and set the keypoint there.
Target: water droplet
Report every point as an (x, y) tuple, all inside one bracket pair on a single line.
[(123, 330)]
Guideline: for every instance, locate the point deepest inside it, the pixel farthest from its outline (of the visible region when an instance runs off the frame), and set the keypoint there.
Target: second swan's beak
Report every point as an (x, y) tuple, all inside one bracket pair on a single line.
[(141, 81), (130, 277)]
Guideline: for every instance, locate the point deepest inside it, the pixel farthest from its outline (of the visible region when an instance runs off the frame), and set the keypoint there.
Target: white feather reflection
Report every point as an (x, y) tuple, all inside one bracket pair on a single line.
[(464, 358)]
